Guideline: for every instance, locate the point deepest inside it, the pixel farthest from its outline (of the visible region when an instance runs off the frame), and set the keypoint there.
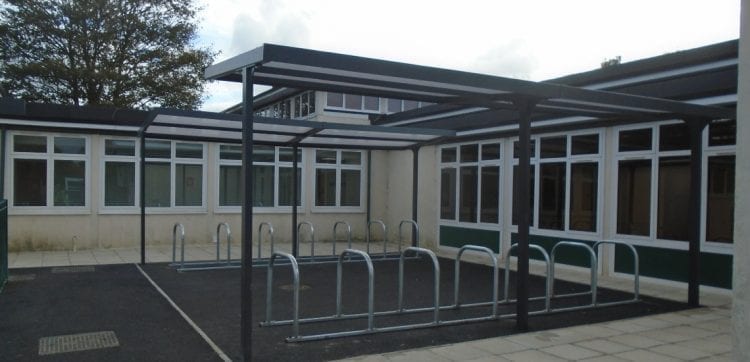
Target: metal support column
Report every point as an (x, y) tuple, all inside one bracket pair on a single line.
[(3, 140), (414, 193), (695, 127), (525, 108), (142, 168), (295, 201), (369, 186), (246, 308)]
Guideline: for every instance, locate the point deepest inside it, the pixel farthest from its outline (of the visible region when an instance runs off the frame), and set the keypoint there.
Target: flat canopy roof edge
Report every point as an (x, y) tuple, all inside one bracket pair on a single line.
[(210, 126), (317, 69)]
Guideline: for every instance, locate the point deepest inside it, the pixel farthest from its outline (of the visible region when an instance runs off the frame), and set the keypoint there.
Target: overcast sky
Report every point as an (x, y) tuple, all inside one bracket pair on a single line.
[(526, 39)]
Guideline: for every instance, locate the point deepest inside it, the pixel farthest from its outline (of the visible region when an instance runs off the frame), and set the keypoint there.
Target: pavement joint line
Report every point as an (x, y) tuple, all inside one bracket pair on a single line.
[(184, 315)]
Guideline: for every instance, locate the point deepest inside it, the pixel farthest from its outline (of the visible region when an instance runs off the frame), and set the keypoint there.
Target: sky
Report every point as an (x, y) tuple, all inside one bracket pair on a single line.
[(526, 39)]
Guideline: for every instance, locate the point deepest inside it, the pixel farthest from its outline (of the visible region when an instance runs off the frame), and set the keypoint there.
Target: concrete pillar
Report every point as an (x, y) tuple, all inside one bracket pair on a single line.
[(741, 272)]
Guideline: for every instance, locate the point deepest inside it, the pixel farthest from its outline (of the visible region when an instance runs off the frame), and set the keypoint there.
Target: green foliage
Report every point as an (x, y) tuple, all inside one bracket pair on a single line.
[(123, 53)]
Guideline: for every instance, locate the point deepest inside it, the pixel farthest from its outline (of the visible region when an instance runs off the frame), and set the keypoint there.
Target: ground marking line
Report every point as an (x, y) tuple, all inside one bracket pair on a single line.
[(184, 315)]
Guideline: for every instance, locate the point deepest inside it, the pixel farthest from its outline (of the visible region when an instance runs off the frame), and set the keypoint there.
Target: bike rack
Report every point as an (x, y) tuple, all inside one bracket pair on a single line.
[(269, 289), (312, 237), (269, 226), (385, 235), (457, 277), (436, 276), (547, 293), (636, 272), (593, 269), (182, 243), (228, 233), (348, 234), (416, 232)]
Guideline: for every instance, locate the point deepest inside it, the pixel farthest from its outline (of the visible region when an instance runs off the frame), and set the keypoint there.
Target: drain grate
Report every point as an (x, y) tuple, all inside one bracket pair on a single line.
[(77, 342), (21, 277), (74, 269)]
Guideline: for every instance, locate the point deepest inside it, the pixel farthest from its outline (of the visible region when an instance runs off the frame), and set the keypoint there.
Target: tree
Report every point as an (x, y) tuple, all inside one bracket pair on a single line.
[(123, 53)]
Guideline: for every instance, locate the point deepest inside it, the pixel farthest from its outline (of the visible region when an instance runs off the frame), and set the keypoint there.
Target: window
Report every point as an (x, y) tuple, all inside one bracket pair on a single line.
[(398, 105), (338, 178), (565, 198), (653, 182), (120, 172), (353, 102), (175, 173), (272, 176), (470, 183), (49, 170)]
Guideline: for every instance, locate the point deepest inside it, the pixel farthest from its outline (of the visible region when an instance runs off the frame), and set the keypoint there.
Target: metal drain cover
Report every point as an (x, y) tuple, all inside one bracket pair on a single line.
[(290, 287), (74, 269), (77, 342), (21, 277)]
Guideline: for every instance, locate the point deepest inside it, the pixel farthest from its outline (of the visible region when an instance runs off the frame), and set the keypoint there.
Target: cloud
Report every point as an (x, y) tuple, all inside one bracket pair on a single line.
[(277, 22), (512, 59)]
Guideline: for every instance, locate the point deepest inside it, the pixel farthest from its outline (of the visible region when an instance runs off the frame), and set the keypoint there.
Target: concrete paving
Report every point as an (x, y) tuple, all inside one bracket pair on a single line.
[(701, 334)]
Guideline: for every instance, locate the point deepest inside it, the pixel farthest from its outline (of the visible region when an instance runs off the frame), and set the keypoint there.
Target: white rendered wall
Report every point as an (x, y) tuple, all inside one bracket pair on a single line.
[(741, 272)]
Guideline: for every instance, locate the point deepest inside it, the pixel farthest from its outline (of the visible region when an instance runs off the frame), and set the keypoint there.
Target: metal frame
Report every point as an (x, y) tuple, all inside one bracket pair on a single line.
[(415, 233), (593, 270), (385, 235), (312, 237)]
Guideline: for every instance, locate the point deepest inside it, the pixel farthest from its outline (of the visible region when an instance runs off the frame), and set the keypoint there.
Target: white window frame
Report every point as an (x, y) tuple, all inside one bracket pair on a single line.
[(712, 151), (50, 157), (457, 164), (536, 160), (103, 208), (278, 164), (338, 167), (361, 108), (173, 161)]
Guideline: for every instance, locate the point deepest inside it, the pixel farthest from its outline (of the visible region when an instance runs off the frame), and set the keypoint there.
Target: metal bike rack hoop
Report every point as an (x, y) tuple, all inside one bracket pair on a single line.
[(348, 234), (182, 243), (228, 232), (547, 291), (385, 234), (457, 274), (636, 270), (416, 232), (436, 274), (312, 237), (593, 268), (269, 290), (260, 236)]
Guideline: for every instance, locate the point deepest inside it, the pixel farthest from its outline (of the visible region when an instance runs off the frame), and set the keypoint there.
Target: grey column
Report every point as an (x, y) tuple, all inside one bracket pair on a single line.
[(246, 308)]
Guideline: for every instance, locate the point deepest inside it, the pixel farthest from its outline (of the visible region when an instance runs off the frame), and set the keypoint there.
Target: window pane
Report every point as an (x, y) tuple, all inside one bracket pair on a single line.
[(188, 185), (532, 149), (297, 105), (720, 199), (634, 197), (552, 147), (352, 101), (119, 147), (286, 154), (230, 186), (469, 153), (372, 103), (119, 184), (70, 145), (448, 193), (158, 149), (490, 195), (304, 107), (189, 150), (230, 152), (584, 145), (325, 156), (674, 196), (325, 187), (286, 109), (722, 132), (335, 99), (448, 154), (264, 153), (157, 190), (311, 104), (394, 105), (635, 140), (350, 187), (674, 137), (552, 196), (351, 158), (491, 151), (70, 183), (531, 195), (263, 184), (23, 143), (583, 196), (409, 105), (29, 182), (285, 186), (468, 197)]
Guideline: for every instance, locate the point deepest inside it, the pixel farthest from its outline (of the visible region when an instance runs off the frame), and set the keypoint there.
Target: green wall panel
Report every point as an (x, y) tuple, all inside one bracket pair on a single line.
[(460, 236), (670, 264)]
